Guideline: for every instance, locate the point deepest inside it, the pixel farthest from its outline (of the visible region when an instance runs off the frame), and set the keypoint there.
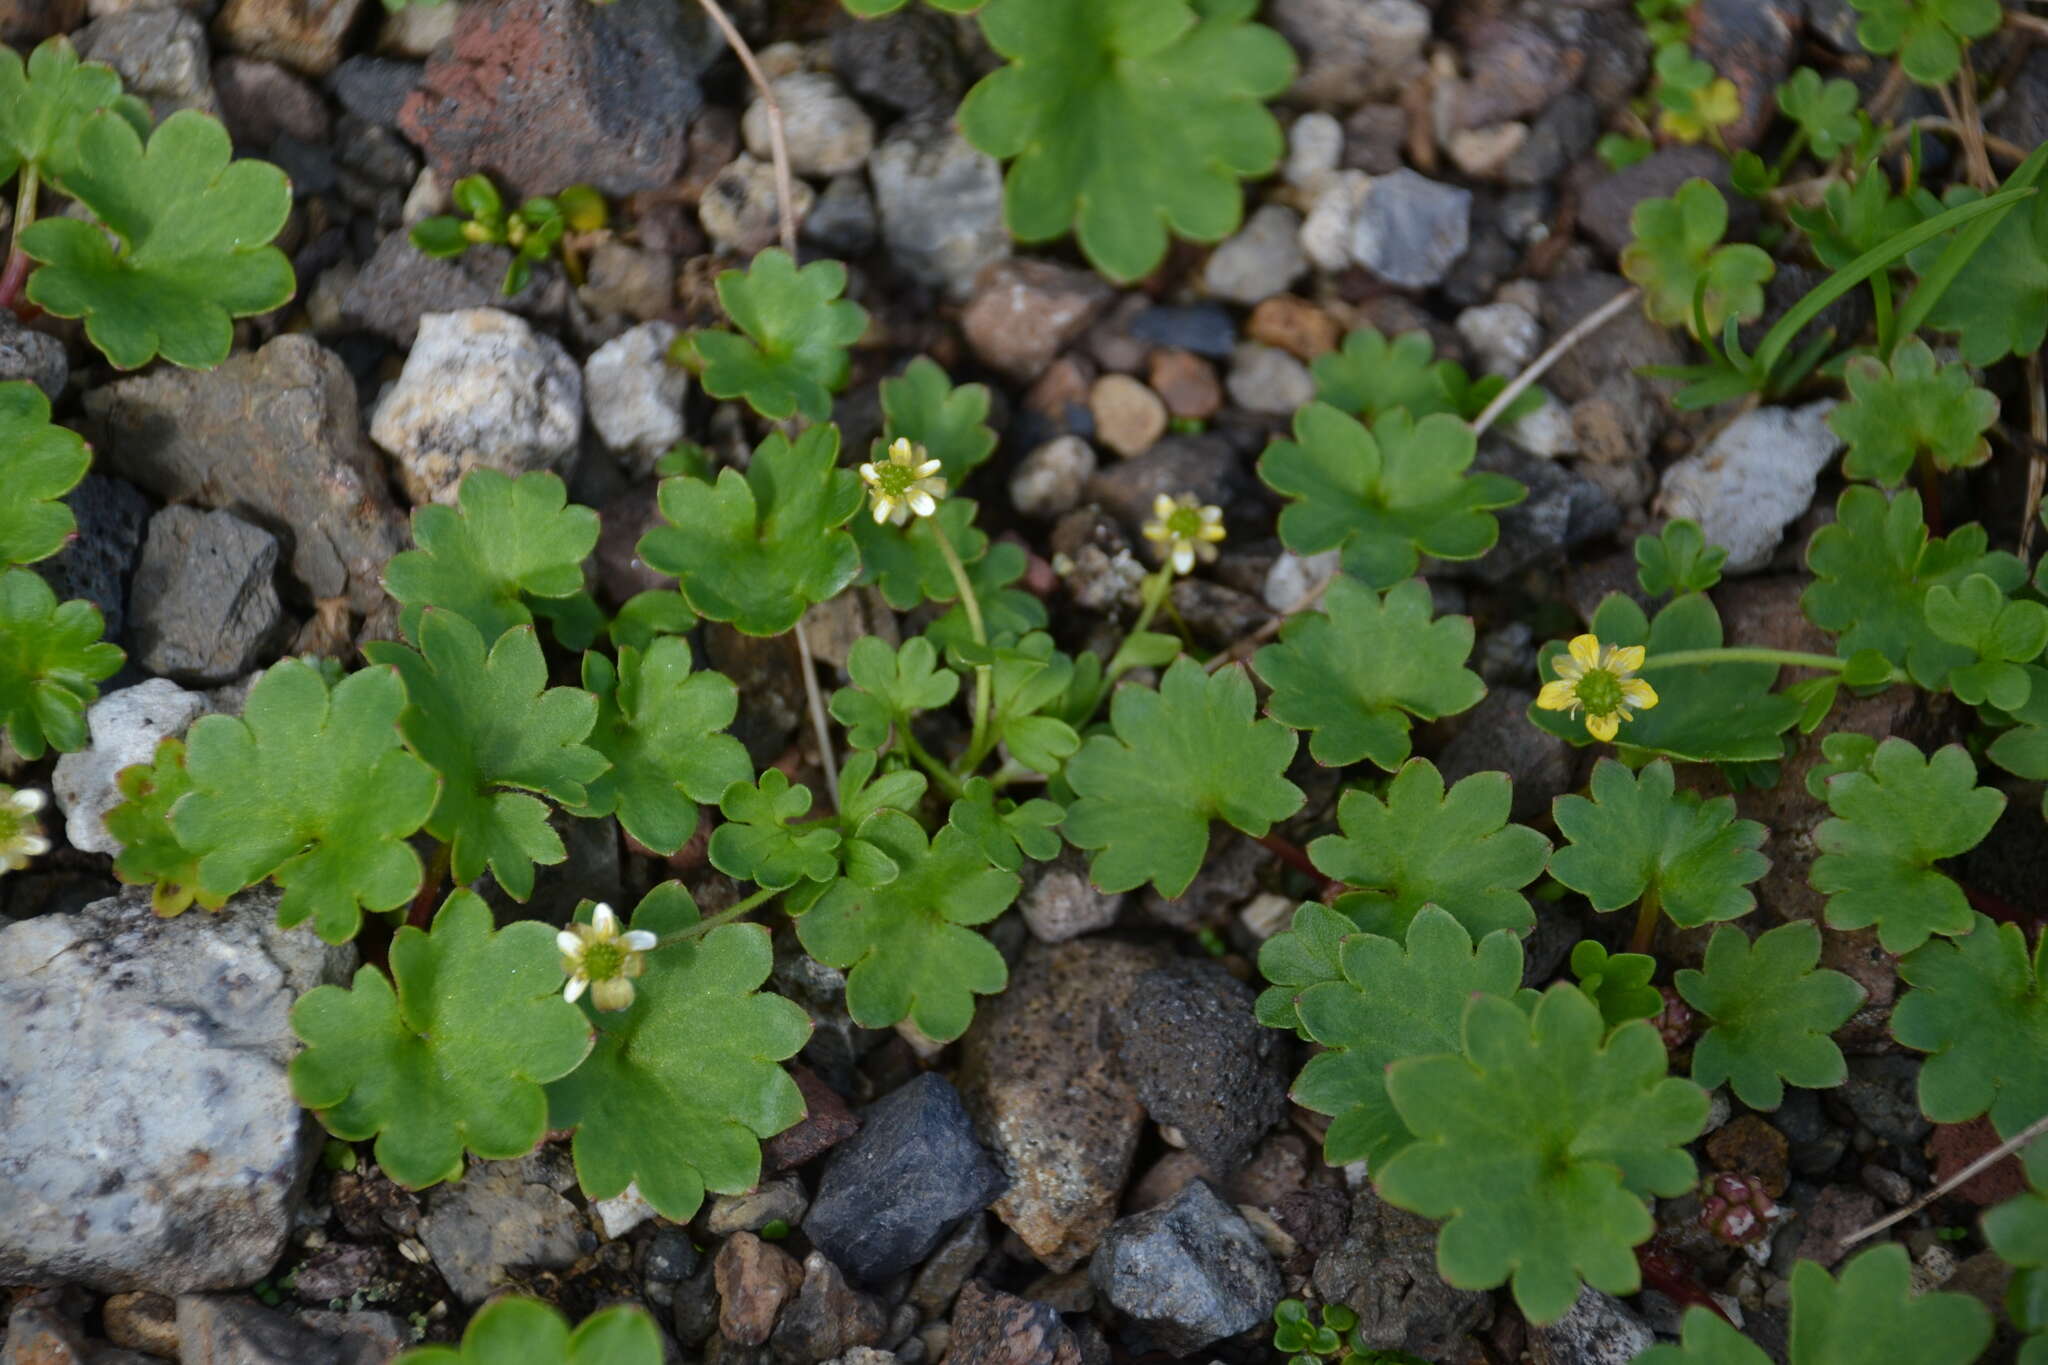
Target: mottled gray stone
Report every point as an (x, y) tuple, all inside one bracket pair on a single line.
[(1190, 1272), (205, 598)]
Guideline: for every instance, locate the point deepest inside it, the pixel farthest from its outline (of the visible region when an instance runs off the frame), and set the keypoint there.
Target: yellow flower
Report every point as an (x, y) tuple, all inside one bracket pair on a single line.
[(596, 955), (21, 838), (1188, 530), (905, 484), (1601, 682)]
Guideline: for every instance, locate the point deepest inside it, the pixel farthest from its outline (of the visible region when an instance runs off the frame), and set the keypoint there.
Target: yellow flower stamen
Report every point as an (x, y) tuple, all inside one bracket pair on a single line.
[(904, 485), (1599, 680), (1188, 530)]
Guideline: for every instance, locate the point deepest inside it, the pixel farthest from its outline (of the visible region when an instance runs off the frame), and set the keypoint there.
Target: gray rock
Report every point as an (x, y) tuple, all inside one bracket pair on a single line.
[(1050, 480), (28, 354), (479, 388), (1881, 1093), (1265, 258), (1755, 479), (906, 61), (824, 129), (739, 208), (107, 1183), (1561, 134), (125, 727), (374, 88), (889, 1193), (160, 53), (1202, 1063), (1042, 1077), (1207, 329), (1315, 148), (205, 600), (498, 1216), (260, 101), (772, 1201), (98, 562), (1203, 465), (1497, 737), (843, 220), (1561, 510), (1292, 577), (400, 284), (306, 35), (1609, 201), (994, 1328), (1410, 230), (1616, 348), (1352, 50), (275, 435), (1599, 1330), (635, 396), (941, 203), (1504, 337), (1266, 379), (625, 279), (1385, 1271), (223, 1329), (1061, 903), (1024, 312), (1326, 231), (546, 93), (944, 1272), (826, 1318), (1190, 1272)]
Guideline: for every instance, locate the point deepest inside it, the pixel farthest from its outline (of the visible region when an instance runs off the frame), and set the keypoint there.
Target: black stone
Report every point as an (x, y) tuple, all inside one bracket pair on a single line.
[(373, 88), (1204, 328), (890, 1192), (112, 516)]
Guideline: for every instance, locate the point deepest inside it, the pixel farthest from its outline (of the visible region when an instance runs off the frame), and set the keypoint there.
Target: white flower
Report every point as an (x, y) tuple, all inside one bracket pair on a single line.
[(21, 838), (905, 484), (597, 956), (1188, 530)]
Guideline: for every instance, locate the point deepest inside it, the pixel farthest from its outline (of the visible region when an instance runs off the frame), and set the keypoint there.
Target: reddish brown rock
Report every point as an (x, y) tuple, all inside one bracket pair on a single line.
[(540, 94), (1748, 1145), (1294, 325), (1956, 1145), (994, 1328), (24, 23), (1186, 383), (826, 1123), (1024, 313), (305, 35), (754, 1278)]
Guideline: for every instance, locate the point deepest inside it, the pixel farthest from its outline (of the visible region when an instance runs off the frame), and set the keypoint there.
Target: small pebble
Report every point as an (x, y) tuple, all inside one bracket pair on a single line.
[(1129, 417)]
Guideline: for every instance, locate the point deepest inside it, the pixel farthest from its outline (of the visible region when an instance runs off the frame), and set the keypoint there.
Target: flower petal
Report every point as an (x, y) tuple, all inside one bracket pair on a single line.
[(870, 474), (1162, 506), (577, 985), (1603, 727), (1183, 556), (929, 468), (1638, 694), (570, 944), (28, 800), (1627, 658), (604, 921), (883, 507), (1585, 651), (921, 502), (639, 941), (613, 994), (1558, 696)]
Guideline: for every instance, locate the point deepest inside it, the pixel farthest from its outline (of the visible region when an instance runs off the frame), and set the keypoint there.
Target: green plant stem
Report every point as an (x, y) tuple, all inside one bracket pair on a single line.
[(941, 774), (1648, 912), (1155, 590), (978, 742), (725, 916), (16, 273), (1785, 658), (1881, 299), (1793, 147)]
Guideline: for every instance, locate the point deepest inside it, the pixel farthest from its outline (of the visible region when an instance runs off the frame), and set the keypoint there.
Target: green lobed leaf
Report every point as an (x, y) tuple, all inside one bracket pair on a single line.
[(1892, 824), (1824, 110), (922, 406), (1997, 304), (1302, 955), (683, 1085), (1388, 1003), (1029, 681), (1705, 713), (662, 728), (907, 947), (907, 562), (761, 840), (1856, 216), (890, 687), (51, 662), (1179, 757), (1538, 1145), (1007, 612), (455, 1056), (1871, 1316), (757, 549), (2018, 1231), (1979, 1007), (1355, 673), (1619, 983), (1927, 35), (1425, 846), (309, 787), (790, 354), (2002, 635), (1677, 258), (510, 539), (1371, 375), (517, 1331), (1915, 409), (500, 738), (1678, 560), (1772, 1013), (44, 102), (1872, 568), (151, 854), (1385, 496), (1006, 831), (39, 463), (194, 227), (1638, 837), (1124, 118)]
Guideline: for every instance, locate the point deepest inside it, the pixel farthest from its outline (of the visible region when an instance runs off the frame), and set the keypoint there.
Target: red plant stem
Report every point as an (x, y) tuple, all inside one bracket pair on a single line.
[(1291, 853), (1668, 1274), (422, 912), (11, 281)]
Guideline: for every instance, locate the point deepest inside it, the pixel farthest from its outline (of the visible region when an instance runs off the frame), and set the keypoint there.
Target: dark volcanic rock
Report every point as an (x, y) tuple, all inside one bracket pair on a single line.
[(1190, 1273)]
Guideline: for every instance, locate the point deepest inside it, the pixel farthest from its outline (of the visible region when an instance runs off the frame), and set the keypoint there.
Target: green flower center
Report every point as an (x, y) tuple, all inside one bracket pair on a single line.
[(894, 480), (1599, 692), (12, 825), (602, 961), (1185, 523)]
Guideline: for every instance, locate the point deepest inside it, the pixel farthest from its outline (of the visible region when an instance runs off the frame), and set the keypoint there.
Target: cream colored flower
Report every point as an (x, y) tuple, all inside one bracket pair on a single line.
[(905, 484), (1188, 530), (597, 956), (21, 838), (1600, 681)]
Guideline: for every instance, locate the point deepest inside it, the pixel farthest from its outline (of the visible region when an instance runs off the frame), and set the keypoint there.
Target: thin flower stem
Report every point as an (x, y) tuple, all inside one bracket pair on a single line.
[(1647, 914), (2037, 466), (1982, 1163), (816, 703), (941, 774), (1157, 587), (778, 143), (16, 274), (1784, 658), (725, 916), (978, 743)]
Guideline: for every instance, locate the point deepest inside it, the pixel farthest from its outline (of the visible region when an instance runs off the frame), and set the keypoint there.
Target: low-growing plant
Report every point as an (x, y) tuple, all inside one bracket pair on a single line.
[(534, 231)]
